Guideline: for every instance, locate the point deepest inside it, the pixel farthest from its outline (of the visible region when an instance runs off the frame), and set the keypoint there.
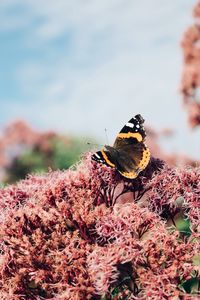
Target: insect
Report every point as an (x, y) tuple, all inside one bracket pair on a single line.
[(129, 155)]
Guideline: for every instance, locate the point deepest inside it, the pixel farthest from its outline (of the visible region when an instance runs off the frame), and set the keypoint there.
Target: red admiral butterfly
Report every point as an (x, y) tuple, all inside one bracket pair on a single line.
[(129, 154)]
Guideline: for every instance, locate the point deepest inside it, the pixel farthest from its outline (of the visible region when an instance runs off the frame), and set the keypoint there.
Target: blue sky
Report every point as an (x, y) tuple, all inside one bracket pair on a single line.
[(82, 66)]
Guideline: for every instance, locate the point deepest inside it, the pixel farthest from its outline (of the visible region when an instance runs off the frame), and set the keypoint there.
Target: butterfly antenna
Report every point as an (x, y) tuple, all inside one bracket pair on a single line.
[(106, 134), (92, 144)]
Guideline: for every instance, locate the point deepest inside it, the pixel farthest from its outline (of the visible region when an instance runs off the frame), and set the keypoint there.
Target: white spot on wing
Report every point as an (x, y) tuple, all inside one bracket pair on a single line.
[(131, 125)]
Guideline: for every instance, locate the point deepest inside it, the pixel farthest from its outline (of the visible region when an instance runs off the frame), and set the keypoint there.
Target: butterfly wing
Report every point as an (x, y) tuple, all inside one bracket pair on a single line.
[(133, 129), (105, 157), (134, 155)]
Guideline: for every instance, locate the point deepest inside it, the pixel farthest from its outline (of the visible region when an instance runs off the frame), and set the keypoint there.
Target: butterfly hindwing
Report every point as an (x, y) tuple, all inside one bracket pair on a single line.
[(132, 161)]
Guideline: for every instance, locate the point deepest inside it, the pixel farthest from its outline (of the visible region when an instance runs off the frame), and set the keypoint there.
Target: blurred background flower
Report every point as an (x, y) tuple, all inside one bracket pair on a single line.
[(24, 150)]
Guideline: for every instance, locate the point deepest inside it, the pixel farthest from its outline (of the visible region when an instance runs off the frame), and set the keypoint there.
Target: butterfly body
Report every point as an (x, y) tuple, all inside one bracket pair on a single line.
[(129, 154)]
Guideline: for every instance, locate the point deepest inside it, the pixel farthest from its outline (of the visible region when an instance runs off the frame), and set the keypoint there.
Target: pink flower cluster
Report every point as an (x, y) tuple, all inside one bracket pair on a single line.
[(175, 189), (191, 69), (89, 233)]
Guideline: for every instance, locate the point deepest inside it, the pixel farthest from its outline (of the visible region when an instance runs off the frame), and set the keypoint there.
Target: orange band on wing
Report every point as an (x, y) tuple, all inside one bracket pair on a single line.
[(107, 160), (135, 135), (145, 159), (130, 175)]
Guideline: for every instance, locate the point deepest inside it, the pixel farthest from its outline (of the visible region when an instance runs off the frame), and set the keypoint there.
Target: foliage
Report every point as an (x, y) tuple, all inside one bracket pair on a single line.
[(61, 154)]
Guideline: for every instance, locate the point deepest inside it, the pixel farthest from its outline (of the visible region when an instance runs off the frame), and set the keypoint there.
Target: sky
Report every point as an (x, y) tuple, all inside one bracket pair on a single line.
[(85, 65)]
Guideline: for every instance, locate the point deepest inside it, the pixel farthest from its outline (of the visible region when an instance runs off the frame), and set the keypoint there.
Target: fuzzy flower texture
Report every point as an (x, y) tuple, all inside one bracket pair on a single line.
[(89, 233)]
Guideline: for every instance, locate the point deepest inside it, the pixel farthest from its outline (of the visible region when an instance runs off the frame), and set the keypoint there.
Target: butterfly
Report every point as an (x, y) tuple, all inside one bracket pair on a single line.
[(129, 155)]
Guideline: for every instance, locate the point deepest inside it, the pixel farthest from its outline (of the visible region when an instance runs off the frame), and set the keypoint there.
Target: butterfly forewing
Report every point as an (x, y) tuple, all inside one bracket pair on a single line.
[(104, 157), (133, 130)]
